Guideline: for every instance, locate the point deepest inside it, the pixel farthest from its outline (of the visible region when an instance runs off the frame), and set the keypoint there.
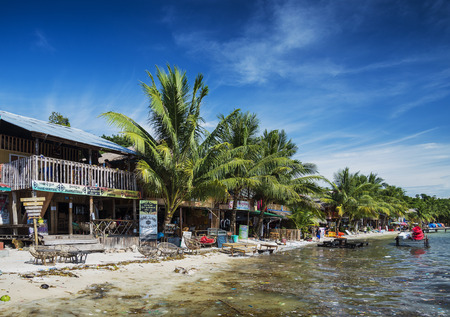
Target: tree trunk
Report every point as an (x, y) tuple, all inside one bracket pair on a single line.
[(338, 223), (168, 216), (233, 216), (260, 221)]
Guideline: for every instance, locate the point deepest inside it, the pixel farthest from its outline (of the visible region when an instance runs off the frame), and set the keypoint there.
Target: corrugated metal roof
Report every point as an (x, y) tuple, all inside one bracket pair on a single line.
[(56, 130)]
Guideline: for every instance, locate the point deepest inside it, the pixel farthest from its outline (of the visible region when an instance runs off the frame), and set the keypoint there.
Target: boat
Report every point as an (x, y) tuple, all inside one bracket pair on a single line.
[(413, 238), (342, 243)]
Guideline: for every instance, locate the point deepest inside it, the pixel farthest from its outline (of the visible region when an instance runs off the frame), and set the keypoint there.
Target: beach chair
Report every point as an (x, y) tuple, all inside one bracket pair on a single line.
[(43, 256), (192, 245), (167, 249), (148, 251), (64, 254)]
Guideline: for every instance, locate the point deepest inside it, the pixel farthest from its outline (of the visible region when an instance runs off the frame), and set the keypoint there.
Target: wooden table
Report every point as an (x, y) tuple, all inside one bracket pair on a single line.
[(239, 247), (79, 256), (263, 247)]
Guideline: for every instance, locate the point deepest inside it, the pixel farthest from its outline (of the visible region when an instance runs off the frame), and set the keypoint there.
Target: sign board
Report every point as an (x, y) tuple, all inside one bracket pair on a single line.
[(243, 232), (241, 205), (32, 199), (148, 220), (84, 190), (33, 211), (34, 203)]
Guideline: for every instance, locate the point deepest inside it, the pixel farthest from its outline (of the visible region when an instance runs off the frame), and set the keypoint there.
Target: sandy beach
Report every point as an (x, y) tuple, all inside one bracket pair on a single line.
[(24, 281)]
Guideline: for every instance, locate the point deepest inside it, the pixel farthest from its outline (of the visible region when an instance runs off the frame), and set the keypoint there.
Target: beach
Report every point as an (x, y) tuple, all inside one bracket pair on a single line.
[(25, 281)]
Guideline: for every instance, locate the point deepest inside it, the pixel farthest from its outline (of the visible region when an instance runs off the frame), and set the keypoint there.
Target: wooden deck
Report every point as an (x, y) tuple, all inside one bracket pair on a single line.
[(21, 173), (428, 230)]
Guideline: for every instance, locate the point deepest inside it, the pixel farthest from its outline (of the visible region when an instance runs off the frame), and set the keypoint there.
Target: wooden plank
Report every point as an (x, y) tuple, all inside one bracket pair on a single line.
[(34, 203), (32, 199)]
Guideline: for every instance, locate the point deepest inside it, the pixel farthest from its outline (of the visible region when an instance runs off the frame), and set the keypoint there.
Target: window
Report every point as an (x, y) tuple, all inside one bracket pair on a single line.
[(15, 157)]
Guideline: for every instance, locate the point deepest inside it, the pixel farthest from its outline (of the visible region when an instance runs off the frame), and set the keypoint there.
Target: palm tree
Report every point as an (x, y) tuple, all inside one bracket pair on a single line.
[(174, 157), (350, 195), (237, 171), (284, 180)]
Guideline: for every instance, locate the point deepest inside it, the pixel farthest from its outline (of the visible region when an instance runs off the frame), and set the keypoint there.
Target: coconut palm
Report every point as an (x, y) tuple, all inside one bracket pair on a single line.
[(284, 180), (174, 157), (237, 170), (350, 195)]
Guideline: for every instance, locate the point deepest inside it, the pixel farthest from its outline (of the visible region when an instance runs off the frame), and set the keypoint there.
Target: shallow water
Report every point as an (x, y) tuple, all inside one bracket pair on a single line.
[(378, 280)]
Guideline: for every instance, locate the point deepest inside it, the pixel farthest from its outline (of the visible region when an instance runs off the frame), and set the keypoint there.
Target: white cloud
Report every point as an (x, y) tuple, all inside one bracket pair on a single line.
[(265, 43), (418, 168)]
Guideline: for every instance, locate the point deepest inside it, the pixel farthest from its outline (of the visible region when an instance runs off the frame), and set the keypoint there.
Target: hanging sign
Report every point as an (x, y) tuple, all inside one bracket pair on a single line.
[(241, 205), (148, 220)]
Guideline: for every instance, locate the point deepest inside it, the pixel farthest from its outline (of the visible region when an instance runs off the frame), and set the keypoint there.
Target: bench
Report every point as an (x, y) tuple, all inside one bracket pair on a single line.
[(267, 247)]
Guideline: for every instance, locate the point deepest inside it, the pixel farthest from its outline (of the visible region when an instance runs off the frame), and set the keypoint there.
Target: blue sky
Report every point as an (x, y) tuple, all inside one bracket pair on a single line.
[(363, 84)]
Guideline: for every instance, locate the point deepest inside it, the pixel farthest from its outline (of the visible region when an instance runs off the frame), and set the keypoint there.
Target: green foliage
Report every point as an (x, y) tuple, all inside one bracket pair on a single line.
[(118, 139), (174, 160), (429, 208), (58, 118)]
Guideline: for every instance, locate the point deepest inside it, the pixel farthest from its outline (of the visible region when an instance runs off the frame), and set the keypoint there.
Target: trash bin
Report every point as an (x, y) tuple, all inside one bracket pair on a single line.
[(235, 238), (221, 239)]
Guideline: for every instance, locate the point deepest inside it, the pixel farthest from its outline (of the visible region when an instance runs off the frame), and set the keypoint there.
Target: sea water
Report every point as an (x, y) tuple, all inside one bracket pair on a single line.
[(380, 279)]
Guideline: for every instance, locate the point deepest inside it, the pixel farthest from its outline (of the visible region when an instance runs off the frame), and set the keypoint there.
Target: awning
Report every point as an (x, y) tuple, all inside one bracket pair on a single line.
[(4, 188), (266, 214)]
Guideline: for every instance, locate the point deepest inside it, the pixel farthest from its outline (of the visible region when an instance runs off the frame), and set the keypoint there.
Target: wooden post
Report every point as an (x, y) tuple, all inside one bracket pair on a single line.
[(70, 216), (113, 208), (135, 230), (36, 239), (54, 215), (36, 147), (181, 222), (91, 212), (14, 212)]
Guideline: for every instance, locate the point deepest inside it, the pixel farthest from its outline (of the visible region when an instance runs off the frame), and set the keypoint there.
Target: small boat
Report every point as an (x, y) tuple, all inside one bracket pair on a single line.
[(415, 237)]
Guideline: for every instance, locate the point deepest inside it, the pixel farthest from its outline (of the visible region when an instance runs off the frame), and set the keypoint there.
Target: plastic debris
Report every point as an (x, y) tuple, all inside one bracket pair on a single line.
[(5, 298)]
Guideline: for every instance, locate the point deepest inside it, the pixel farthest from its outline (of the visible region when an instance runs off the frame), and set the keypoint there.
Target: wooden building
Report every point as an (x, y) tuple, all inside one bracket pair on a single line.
[(41, 159)]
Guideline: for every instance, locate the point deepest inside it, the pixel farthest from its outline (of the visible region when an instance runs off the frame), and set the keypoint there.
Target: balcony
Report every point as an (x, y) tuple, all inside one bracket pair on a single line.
[(45, 173)]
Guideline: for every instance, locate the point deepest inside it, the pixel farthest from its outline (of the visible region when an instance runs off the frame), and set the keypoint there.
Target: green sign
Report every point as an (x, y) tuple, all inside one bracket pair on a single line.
[(243, 232), (84, 190)]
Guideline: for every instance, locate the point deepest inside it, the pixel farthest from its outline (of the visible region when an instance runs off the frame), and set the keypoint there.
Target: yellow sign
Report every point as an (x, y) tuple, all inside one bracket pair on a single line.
[(34, 203), (32, 199)]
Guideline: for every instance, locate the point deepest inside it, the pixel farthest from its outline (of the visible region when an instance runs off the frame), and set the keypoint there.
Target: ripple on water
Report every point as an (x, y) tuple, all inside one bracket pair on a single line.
[(378, 280)]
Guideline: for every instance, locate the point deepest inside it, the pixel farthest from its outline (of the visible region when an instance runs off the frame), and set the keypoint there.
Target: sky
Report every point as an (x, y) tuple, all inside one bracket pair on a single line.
[(354, 83)]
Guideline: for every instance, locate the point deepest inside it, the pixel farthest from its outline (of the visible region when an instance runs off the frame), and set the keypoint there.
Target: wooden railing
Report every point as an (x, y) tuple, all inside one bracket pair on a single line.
[(105, 227), (20, 174), (288, 234)]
